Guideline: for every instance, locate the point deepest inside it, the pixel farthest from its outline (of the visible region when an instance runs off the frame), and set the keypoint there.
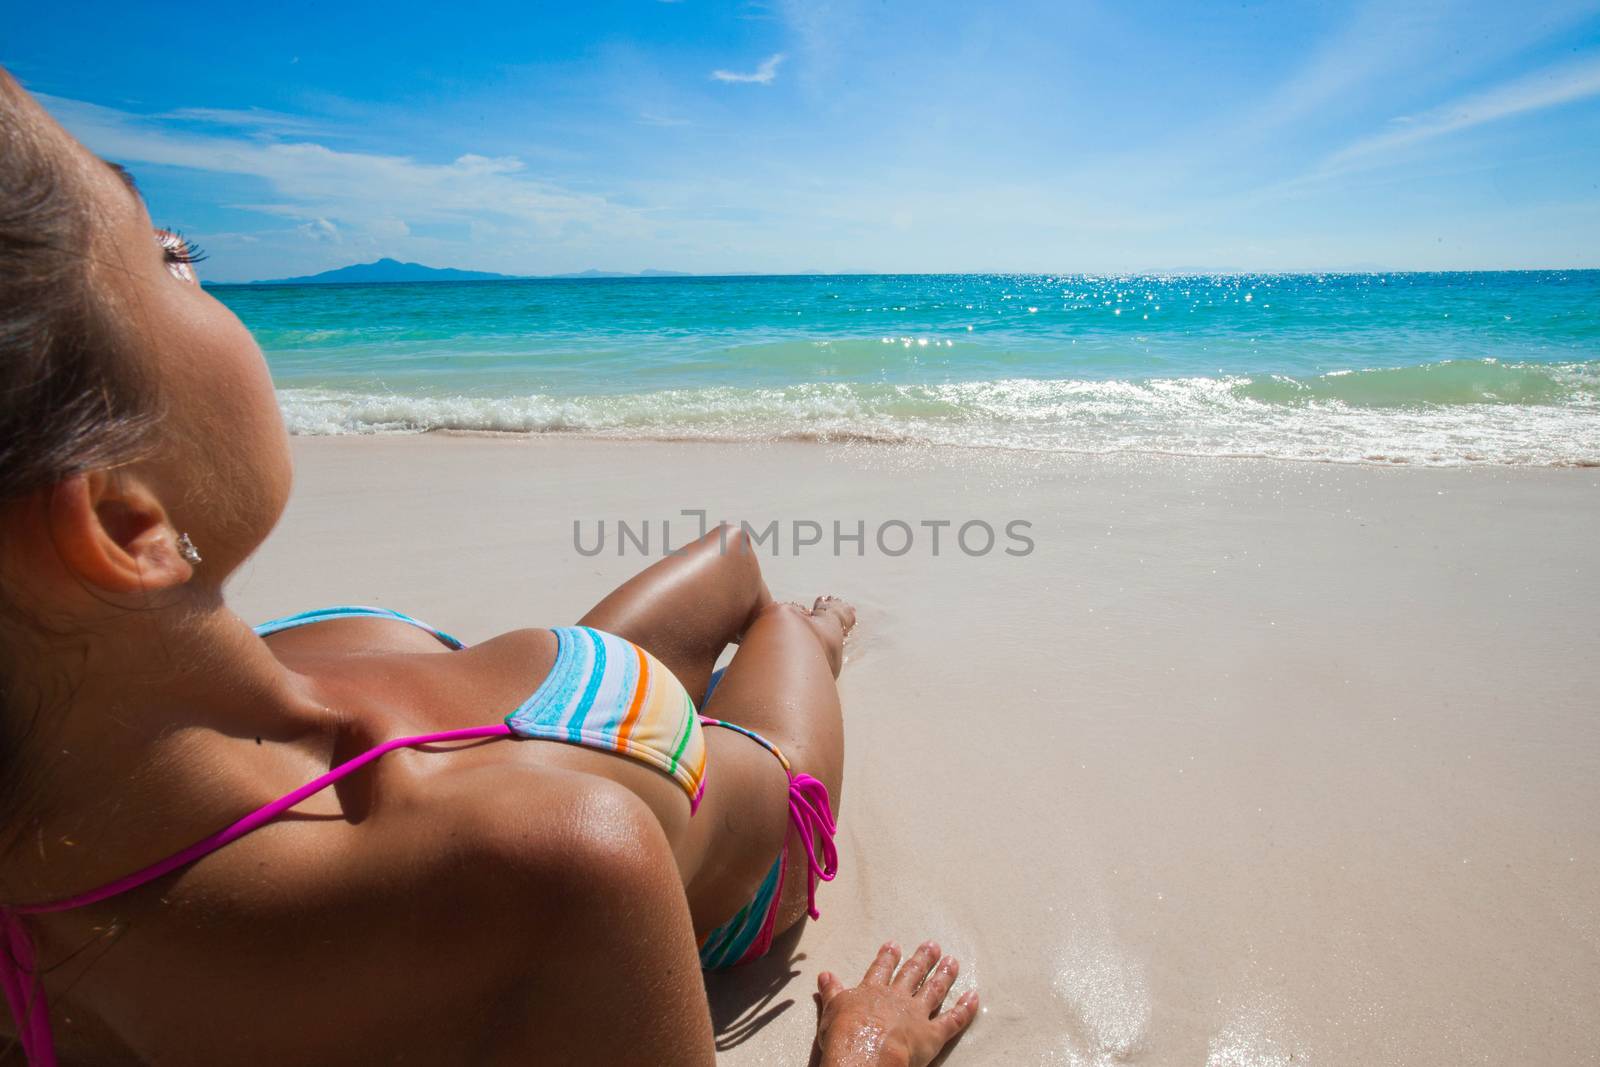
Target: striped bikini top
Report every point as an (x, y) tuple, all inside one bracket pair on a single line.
[(603, 692)]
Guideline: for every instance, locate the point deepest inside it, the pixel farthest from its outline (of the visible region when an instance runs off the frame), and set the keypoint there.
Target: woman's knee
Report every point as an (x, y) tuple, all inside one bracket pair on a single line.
[(784, 617), (729, 552), (728, 541)]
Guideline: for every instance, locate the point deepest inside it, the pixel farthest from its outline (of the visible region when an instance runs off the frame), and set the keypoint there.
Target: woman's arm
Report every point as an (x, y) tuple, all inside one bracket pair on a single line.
[(607, 972), (595, 957)]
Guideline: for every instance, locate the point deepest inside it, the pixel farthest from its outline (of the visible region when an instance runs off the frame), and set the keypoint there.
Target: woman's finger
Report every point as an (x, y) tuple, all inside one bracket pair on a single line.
[(828, 987), (938, 983), (916, 968), (882, 968), (959, 1017)]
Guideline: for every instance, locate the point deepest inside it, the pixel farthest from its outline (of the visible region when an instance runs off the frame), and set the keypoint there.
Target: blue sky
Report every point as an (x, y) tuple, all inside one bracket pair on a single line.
[(841, 135)]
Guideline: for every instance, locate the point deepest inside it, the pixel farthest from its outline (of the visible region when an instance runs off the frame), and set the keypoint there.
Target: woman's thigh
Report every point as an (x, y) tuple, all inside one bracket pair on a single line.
[(780, 685), (742, 823)]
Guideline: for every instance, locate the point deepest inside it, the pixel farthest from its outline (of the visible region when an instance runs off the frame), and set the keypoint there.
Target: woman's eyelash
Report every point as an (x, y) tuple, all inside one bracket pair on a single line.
[(178, 248)]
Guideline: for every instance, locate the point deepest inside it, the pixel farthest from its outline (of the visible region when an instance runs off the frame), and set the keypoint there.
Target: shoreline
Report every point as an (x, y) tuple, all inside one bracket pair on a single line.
[(1244, 763), (826, 440)]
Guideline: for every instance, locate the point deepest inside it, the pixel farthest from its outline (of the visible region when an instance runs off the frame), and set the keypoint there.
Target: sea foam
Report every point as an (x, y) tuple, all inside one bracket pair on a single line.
[(1453, 368), (1443, 414)]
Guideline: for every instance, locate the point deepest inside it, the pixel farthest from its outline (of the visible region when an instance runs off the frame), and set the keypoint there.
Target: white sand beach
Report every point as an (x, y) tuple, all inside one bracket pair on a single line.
[(1248, 762)]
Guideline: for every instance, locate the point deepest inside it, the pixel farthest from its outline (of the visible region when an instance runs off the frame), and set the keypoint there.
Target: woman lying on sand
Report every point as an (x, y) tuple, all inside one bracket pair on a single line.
[(396, 870)]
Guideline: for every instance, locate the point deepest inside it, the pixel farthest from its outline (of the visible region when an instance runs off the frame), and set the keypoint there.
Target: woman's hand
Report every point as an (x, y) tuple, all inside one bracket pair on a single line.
[(890, 1019)]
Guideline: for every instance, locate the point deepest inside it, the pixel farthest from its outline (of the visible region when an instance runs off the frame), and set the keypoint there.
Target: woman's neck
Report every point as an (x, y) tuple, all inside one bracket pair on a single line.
[(128, 753)]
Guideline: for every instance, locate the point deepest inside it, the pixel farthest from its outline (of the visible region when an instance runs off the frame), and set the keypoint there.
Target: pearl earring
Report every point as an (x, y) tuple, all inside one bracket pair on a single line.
[(187, 550)]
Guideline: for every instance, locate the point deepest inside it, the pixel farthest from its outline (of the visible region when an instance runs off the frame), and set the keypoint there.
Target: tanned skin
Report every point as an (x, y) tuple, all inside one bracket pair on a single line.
[(484, 903)]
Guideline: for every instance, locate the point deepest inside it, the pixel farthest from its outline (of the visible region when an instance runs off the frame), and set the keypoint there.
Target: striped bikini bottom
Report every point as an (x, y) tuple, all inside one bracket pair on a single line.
[(748, 935)]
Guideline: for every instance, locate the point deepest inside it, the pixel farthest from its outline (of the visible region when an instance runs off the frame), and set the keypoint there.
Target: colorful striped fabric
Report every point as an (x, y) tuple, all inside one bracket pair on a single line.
[(748, 935), (606, 693), (610, 694)]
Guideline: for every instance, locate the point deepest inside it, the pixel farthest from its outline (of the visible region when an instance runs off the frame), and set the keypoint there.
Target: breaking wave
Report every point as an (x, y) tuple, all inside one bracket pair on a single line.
[(1449, 413)]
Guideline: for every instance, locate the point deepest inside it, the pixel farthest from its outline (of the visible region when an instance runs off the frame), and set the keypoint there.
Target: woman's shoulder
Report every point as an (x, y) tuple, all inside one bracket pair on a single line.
[(558, 893), (578, 903), (469, 892), (406, 686), (537, 828)]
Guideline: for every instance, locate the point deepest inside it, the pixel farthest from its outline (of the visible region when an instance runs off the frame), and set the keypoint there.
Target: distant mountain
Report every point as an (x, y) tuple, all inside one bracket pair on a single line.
[(390, 270)]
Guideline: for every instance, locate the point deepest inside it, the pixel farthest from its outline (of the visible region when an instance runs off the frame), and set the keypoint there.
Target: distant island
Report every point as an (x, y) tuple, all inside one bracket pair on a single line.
[(392, 270)]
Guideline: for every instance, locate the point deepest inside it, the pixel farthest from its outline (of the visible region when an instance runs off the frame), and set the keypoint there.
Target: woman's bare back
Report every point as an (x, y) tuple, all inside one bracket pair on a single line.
[(424, 843)]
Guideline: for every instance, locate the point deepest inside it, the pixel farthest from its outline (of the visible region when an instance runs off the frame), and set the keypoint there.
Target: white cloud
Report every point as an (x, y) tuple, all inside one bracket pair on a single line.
[(1551, 87), (321, 230), (249, 118), (367, 194), (475, 164), (1382, 50), (1378, 38), (765, 74)]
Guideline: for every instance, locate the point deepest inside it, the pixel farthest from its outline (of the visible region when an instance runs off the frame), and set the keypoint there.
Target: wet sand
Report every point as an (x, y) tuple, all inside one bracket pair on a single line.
[(1247, 762)]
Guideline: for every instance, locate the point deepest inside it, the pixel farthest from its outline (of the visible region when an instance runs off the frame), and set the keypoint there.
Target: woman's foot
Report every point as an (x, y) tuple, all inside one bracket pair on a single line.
[(832, 619)]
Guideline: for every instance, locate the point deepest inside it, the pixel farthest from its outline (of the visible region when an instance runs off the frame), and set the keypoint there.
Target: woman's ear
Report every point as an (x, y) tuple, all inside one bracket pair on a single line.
[(112, 532)]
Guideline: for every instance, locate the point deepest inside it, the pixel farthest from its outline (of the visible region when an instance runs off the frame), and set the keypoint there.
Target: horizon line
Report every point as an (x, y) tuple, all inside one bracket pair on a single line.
[(667, 276)]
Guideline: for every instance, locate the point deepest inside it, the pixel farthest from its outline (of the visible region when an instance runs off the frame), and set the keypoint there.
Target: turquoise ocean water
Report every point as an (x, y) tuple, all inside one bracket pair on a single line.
[(1444, 369)]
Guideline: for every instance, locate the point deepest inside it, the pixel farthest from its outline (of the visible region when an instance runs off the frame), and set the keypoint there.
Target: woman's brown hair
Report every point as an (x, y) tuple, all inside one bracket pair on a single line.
[(68, 403)]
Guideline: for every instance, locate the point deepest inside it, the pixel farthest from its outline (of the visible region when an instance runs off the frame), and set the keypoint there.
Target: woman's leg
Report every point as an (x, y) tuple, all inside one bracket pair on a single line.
[(782, 685), (686, 609)]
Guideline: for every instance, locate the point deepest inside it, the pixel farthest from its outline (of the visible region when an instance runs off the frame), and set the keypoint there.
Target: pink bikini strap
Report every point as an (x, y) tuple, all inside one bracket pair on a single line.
[(810, 814), (24, 992), (812, 817), (254, 821), (19, 979)]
